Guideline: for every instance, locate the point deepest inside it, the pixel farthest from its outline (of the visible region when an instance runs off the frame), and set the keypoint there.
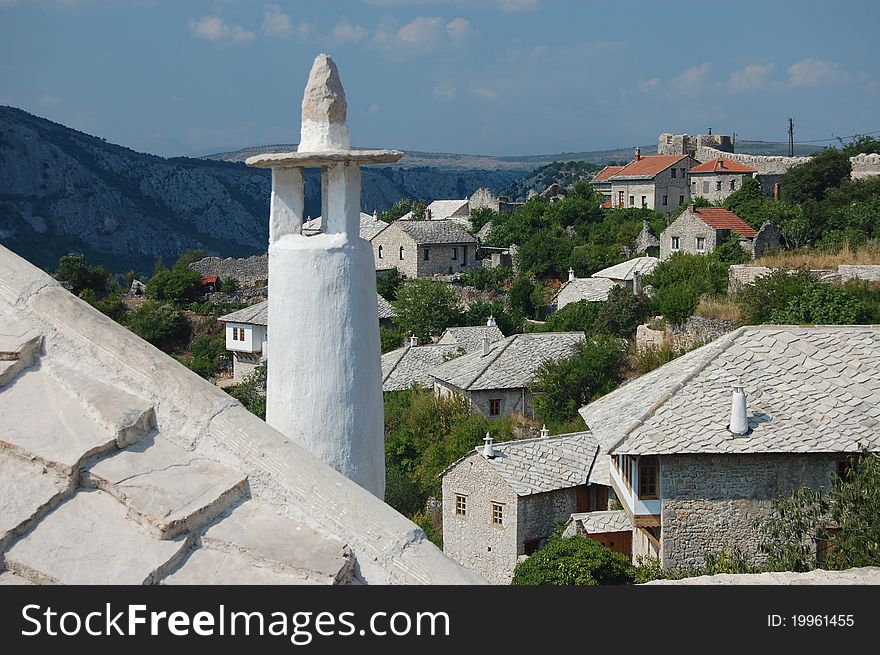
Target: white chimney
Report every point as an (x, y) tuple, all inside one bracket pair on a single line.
[(491, 322), (413, 341), (544, 432), (638, 154), (489, 449), (375, 214), (739, 422), (428, 214), (486, 346), (637, 283), (570, 274)]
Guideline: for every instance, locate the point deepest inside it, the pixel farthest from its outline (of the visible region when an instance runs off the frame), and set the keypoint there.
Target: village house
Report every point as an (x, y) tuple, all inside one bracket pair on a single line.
[(497, 379), (247, 335), (657, 182), (411, 364), (628, 272), (716, 179), (602, 184), (502, 500), (369, 226), (701, 446), (596, 288), (425, 248), (698, 230)]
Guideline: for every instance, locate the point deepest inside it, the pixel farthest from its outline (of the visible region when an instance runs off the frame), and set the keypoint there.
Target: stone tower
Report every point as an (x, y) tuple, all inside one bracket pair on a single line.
[(324, 382)]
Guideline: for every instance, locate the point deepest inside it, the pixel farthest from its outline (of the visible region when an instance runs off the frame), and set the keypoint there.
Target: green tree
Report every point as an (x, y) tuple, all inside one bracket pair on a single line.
[(175, 285), (209, 355), (622, 313), (111, 305), (565, 385), (479, 217), (189, 257), (230, 285), (812, 180), (163, 325), (729, 251), (404, 206), (425, 308), (575, 317), (388, 282), (390, 339), (574, 561), (251, 392), (74, 270)]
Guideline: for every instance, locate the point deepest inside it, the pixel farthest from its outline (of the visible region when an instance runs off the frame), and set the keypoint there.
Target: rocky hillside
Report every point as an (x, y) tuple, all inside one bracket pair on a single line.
[(62, 190)]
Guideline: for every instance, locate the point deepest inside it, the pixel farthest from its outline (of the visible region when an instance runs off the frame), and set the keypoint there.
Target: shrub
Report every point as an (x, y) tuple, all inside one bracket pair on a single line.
[(209, 355), (230, 285), (79, 276), (487, 278), (163, 325), (390, 339), (424, 308), (252, 392), (622, 313), (175, 285), (388, 282), (574, 561)]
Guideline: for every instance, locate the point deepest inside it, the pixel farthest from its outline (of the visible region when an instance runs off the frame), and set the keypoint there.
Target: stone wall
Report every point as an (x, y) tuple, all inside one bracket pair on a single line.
[(249, 271), (483, 198), (865, 165), (412, 263), (710, 501), (705, 185), (761, 163), (868, 272), (675, 189), (685, 144), (768, 239), (473, 540), (695, 331), (512, 400), (741, 275), (540, 513)]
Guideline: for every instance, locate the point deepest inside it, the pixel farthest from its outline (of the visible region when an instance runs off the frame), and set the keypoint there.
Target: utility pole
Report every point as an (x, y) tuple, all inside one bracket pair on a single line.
[(791, 137)]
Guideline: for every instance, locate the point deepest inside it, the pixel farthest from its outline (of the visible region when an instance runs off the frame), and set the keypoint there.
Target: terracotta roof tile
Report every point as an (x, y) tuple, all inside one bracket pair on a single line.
[(607, 172), (649, 166), (724, 219), (722, 165)]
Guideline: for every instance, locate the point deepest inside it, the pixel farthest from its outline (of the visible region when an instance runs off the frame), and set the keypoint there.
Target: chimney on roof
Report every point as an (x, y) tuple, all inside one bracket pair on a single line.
[(491, 322), (638, 154), (544, 432), (413, 341), (570, 274), (637, 283), (375, 214), (739, 422), (427, 214), (710, 131), (720, 164), (486, 346), (692, 208), (488, 448)]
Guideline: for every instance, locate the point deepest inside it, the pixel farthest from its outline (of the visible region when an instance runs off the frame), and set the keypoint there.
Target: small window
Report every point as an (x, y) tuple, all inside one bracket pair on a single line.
[(681, 200), (380, 252), (665, 200), (842, 468), (682, 173), (701, 244), (495, 407), (718, 185), (649, 466), (733, 185), (425, 255), (497, 514), (673, 173), (401, 252), (460, 505), (454, 254), (705, 186), (675, 244), (693, 187), (644, 202), (632, 201)]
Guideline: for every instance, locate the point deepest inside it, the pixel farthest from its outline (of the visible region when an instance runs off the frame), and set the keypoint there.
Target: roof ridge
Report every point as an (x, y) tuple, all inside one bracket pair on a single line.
[(567, 435), (405, 350), (731, 337), (501, 350)]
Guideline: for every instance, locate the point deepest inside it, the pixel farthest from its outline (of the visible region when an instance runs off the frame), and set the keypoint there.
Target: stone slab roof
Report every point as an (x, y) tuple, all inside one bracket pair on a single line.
[(591, 289), (625, 270), (867, 575), (407, 366), (435, 232), (370, 226), (471, 337), (532, 466), (599, 522), (258, 314), (808, 390), (118, 465), (441, 209), (511, 362)]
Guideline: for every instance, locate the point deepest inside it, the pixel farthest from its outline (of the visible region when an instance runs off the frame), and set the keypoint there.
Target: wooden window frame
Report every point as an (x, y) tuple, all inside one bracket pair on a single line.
[(646, 463), (697, 244), (493, 404), (381, 253), (497, 513), (461, 504)]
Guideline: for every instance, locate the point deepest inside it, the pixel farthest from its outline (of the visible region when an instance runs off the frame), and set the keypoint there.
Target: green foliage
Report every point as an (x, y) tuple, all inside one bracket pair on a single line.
[(112, 305), (189, 257), (622, 313), (162, 324), (230, 285), (861, 144), (252, 391), (651, 358), (786, 297), (729, 251), (575, 317), (388, 282), (433, 531), (209, 355), (212, 308), (811, 180), (479, 217), (527, 297), (79, 276), (390, 339), (508, 319), (565, 385), (487, 278), (404, 206), (574, 561), (680, 281), (175, 285), (425, 308)]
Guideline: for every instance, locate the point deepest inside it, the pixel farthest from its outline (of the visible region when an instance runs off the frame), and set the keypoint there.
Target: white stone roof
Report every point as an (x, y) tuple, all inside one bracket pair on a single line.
[(625, 270), (118, 465), (533, 466), (435, 232), (511, 362), (406, 366), (258, 313), (471, 337), (441, 209), (808, 389), (591, 289), (369, 226), (600, 522)]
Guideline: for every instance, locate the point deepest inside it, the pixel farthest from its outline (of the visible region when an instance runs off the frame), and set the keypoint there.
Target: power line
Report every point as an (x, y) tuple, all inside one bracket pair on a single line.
[(838, 138)]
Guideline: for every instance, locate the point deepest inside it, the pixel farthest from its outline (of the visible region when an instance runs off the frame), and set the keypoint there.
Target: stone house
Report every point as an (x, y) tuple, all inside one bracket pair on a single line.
[(497, 379), (502, 500), (425, 248), (694, 461), (576, 289), (602, 183), (716, 179), (368, 227), (625, 273), (699, 229), (657, 182)]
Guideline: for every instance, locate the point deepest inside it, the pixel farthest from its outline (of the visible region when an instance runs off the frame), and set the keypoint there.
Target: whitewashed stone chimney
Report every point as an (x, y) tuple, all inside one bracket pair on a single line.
[(739, 421), (637, 283), (488, 448), (486, 346), (544, 432), (491, 321), (571, 274), (413, 341), (324, 380)]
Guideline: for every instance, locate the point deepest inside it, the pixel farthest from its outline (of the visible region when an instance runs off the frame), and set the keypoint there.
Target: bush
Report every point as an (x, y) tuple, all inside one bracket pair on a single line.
[(622, 313), (252, 392), (209, 355), (163, 325), (425, 308), (79, 276), (189, 257), (487, 278), (390, 339), (575, 317), (175, 285), (574, 561), (676, 302), (388, 282), (230, 285), (651, 358), (111, 306)]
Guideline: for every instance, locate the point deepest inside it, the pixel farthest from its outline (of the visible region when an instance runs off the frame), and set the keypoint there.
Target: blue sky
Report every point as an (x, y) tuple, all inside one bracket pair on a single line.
[(499, 77)]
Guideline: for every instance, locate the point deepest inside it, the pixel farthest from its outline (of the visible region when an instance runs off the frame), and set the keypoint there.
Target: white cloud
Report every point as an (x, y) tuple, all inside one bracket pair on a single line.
[(459, 29), (278, 25), (345, 32), (648, 86), (812, 72), (873, 86), (484, 92), (422, 35), (213, 28), (691, 81), (48, 101), (444, 92), (374, 109), (750, 78)]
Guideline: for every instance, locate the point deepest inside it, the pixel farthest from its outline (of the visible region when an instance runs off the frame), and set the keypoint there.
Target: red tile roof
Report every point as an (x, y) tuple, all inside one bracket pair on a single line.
[(209, 279), (724, 219), (607, 172), (649, 165), (607, 204), (722, 165)]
